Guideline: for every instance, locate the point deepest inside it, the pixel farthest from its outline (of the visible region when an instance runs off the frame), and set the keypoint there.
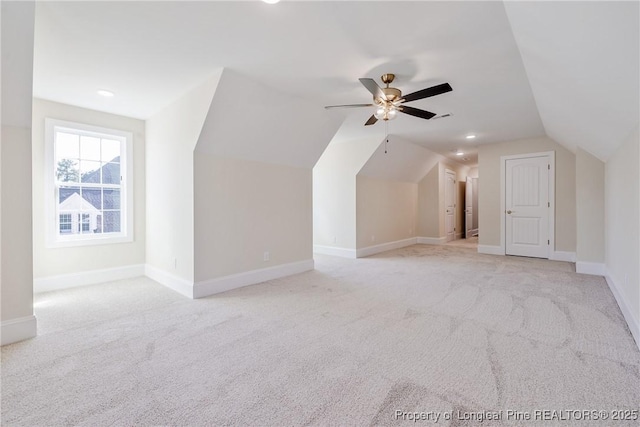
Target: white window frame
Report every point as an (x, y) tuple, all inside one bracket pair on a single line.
[(54, 238)]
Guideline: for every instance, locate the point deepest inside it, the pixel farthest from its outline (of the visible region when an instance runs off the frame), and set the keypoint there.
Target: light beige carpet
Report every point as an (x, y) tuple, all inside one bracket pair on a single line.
[(432, 329), (471, 243)]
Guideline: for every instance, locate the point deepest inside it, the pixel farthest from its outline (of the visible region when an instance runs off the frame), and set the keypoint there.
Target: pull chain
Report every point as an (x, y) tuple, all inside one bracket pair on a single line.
[(386, 131)]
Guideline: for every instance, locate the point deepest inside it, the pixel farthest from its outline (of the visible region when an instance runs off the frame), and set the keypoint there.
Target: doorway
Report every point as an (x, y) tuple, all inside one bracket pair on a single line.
[(450, 204), (471, 208), (527, 200)]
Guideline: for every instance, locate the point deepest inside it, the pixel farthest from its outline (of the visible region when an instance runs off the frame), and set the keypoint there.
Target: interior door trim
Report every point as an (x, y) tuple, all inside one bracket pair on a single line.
[(552, 197), (455, 199)]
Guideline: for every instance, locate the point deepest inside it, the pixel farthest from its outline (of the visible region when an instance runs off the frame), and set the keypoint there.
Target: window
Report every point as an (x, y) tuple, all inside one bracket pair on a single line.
[(65, 223), (86, 224), (89, 184)]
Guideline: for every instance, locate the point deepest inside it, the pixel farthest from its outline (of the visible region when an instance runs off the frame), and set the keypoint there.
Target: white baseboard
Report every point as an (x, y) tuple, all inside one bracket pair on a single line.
[(490, 250), (226, 283), (335, 251), (383, 247), (19, 329), (562, 256), (632, 322), (64, 281), (593, 268), (178, 284), (431, 240)]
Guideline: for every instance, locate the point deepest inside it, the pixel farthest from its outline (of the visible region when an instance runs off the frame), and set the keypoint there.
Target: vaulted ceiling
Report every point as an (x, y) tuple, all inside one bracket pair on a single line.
[(518, 70)]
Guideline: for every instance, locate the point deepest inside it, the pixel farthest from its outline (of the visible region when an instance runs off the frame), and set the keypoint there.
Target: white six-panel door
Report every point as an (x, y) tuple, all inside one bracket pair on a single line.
[(527, 206), (449, 204), (468, 208)]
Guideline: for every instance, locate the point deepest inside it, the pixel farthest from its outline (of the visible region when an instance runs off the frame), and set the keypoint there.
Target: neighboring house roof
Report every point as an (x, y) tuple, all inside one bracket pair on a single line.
[(76, 203), (110, 173)]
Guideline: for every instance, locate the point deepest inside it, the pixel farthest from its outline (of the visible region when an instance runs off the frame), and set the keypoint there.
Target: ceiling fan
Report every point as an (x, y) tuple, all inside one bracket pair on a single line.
[(389, 100)]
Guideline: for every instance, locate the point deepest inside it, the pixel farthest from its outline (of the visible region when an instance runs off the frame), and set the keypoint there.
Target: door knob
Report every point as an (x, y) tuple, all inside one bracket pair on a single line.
[(509, 212)]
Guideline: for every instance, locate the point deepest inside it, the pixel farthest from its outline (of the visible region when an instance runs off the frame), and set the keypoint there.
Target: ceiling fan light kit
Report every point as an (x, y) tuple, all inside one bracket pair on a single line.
[(385, 113), (389, 100)]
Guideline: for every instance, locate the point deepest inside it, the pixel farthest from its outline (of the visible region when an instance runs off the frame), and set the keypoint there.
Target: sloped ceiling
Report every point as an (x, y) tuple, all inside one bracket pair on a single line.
[(247, 120), (400, 160), (582, 62), (549, 78)]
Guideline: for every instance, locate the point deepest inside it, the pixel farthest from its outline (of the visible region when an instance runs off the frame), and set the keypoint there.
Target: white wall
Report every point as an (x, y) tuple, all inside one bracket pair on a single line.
[(489, 194), (171, 137), (334, 192), (386, 211), (244, 208), (252, 183), (429, 210), (590, 196), (58, 261), (622, 210), (16, 254)]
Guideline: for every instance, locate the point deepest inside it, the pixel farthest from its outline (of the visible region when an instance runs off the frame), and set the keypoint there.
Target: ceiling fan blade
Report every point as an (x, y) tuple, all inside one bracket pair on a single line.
[(426, 93), (372, 120), (416, 112), (373, 87), (328, 107)]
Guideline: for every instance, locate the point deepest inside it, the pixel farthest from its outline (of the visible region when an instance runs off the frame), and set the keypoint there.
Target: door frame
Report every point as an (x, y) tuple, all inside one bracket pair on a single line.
[(552, 198), (455, 198), (468, 187)]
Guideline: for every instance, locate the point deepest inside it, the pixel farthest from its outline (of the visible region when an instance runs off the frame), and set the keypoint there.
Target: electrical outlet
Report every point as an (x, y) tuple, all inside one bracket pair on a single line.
[(373, 238), (334, 239), (175, 263), (266, 257)]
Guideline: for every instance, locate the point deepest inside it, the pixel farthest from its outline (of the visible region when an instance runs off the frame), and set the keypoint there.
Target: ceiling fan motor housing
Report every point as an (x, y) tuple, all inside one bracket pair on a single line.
[(391, 93)]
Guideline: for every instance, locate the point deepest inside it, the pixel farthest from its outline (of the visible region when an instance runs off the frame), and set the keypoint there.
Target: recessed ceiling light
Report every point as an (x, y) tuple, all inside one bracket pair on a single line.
[(106, 93), (470, 136), (271, 1), (459, 153)]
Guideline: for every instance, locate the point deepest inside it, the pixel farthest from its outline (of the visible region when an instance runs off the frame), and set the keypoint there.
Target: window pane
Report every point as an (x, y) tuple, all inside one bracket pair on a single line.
[(89, 148), (67, 146), (67, 170), (98, 228), (65, 223), (86, 222), (94, 198), (111, 222), (110, 150), (66, 199), (89, 171), (111, 198), (111, 173)]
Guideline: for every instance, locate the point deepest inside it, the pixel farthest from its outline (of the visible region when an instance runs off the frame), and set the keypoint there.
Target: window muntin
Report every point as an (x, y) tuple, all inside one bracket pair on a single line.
[(88, 173)]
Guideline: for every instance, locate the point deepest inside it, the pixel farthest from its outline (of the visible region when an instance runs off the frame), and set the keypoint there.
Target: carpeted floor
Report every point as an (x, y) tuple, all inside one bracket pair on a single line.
[(470, 243), (438, 330)]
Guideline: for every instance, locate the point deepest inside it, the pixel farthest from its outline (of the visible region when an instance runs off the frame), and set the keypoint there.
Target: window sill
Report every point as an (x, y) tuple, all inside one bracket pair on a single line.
[(88, 241)]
